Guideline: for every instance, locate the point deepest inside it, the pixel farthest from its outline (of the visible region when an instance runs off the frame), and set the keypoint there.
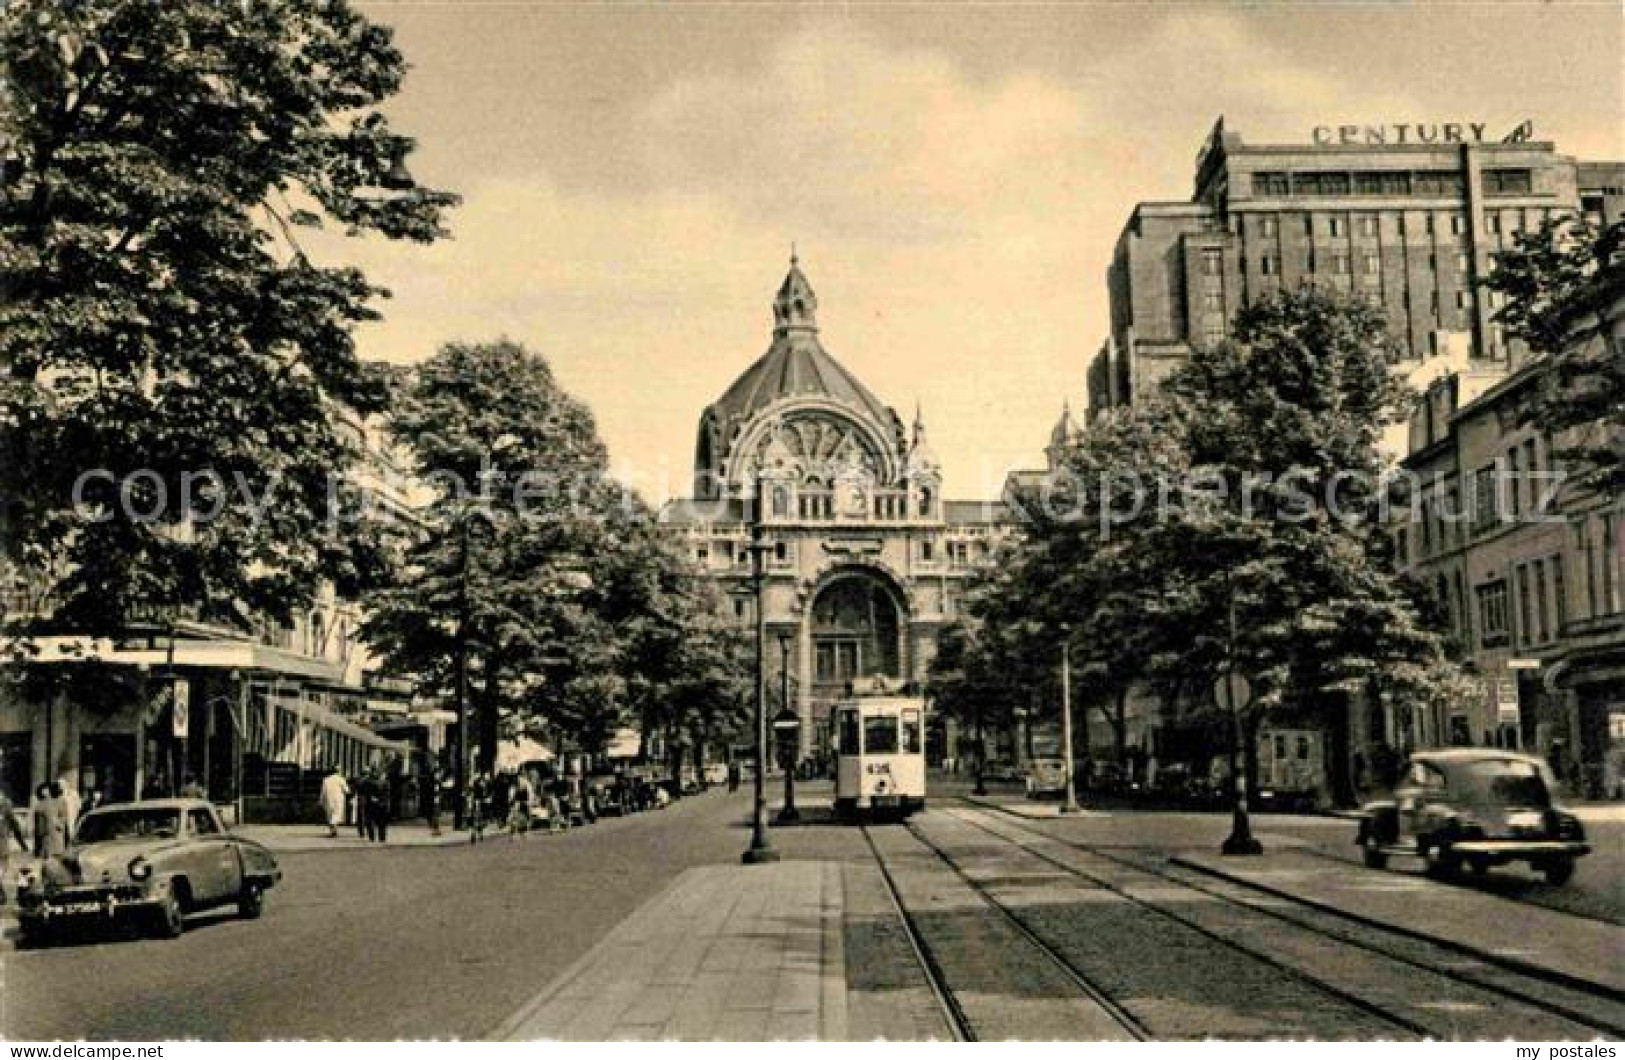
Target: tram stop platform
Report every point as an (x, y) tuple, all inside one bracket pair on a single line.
[(744, 953)]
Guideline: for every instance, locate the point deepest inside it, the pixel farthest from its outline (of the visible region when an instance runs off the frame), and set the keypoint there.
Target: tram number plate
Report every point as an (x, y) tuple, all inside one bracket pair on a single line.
[(875, 768)]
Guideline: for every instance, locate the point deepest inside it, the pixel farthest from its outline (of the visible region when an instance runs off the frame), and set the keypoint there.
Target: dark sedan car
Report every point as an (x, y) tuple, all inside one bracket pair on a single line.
[(1477, 807)]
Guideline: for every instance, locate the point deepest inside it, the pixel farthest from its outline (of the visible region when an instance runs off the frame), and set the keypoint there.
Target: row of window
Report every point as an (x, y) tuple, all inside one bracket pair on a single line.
[(1530, 609), (1369, 225), (1443, 183), (1342, 263)]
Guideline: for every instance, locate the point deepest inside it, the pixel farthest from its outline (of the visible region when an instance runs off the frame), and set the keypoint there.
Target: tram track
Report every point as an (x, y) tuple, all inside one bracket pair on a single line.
[(1592, 1012), (933, 949)]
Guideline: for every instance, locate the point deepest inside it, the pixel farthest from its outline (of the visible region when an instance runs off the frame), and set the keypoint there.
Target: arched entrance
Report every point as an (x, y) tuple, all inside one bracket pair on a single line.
[(855, 627)]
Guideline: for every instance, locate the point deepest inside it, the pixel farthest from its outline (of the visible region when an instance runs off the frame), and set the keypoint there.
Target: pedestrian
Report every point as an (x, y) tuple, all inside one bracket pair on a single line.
[(8, 828), (335, 794), (733, 775), (518, 810), (72, 804), (479, 793), (50, 833), (378, 806), (429, 794), (358, 803)]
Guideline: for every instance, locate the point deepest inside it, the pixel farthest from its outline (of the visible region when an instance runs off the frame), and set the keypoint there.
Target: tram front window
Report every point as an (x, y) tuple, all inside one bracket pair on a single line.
[(880, 735), (847, 738), (911, 732)]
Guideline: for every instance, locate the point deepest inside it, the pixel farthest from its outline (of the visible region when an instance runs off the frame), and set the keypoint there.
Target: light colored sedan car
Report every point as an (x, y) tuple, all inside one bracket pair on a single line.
[(152, 861)]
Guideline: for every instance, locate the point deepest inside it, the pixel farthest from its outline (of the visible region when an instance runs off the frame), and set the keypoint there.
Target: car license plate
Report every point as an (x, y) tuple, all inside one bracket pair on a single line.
[(79, 907)]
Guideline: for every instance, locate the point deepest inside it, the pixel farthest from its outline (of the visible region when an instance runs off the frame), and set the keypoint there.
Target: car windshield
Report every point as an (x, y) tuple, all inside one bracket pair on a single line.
[(1504, 781), (130, 824)]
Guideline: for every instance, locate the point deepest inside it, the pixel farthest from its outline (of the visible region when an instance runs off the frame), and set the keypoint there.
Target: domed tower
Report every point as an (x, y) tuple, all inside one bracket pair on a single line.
[(798, 416)]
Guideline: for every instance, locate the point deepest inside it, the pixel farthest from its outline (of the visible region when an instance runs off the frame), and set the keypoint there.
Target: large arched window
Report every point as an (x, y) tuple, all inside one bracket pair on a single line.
[(855, 624), (781, 502), (925, 500)]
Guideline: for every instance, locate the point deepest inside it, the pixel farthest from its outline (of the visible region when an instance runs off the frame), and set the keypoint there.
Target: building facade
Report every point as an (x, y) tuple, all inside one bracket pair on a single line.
[(241, 712), (865, 559), (1530, 570), (1408, 216)]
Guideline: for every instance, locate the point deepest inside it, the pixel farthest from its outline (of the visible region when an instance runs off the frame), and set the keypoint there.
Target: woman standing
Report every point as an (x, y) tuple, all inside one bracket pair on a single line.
[(50, 829), (335, 793)]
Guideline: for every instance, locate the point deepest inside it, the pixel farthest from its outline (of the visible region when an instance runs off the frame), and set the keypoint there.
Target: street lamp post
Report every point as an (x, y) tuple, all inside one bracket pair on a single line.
[(788, 726), (1069, 803), (761, 849), (1235, 693)]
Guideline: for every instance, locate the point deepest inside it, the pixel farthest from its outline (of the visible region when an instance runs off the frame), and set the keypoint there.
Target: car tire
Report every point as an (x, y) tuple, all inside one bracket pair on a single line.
[(1372, 854), (169, 921), (251, 903), (1558, 871), (1479, 866), (1441, 863)]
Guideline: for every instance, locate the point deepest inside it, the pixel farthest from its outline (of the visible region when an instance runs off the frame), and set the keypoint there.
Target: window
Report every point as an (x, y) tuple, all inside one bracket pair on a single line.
[(846, 737), (1492, 223), (1340, 264), (1517, 475), (1433, 302), (1486, 506), (880, 735), (1461, 299), (1506, 181), (1339, 227), (1428, 224), (1268, 226), (781, 551), (1441, 183), (1378, 183), (1458, 224), (1213, 301), (1525, 633), (1269, 265), (1370, 264), (1541, 614), (1532, 478), (927, 551), (1433, 263), (1303, 748), (781, 502), (911, 732), (1368, 226), (1271, 184), (1560, 594), (1212, 262), (203, 822), (1320, 183), (702, 555), (925, 506), (1492, 613), (1462, 264)]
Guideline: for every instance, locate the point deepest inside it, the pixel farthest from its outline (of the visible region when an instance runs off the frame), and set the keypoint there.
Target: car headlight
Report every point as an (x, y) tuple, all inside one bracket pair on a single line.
[(139, 868)]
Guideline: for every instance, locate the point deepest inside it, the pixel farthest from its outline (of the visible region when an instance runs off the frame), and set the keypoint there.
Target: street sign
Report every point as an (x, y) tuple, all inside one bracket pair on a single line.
[(180, 707), (1233, 691), (1523, 664)]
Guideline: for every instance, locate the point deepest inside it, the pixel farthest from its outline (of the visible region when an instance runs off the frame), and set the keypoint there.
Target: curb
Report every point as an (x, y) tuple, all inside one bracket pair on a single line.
[(1516, 964)]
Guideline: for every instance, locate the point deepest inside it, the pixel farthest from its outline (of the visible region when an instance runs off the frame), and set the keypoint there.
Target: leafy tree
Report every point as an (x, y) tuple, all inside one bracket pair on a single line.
[(156, 316), (500, 580), (1555, 279)]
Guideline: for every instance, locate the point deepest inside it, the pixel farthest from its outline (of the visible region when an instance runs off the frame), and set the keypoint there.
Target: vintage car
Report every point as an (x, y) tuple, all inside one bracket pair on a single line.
[(151, 862), (1045, 777), (1477, 807)]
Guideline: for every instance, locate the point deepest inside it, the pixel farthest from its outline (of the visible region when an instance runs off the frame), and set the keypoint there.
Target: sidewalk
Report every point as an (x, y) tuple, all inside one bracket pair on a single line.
[(726, 952), (295, 838), (1543, 942)]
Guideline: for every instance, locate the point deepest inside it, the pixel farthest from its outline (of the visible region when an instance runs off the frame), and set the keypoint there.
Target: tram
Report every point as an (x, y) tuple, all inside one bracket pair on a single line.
[(879, 744)]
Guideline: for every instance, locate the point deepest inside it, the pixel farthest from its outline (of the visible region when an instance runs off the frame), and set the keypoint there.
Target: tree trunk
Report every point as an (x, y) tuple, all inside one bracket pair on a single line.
[(1119, 720)]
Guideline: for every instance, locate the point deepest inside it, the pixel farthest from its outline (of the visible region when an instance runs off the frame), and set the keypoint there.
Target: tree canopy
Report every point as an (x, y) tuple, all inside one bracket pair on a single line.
[(171, 362)]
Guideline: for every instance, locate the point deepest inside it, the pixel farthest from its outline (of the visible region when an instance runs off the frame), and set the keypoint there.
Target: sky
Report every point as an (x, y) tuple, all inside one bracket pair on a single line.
[(954, 178)]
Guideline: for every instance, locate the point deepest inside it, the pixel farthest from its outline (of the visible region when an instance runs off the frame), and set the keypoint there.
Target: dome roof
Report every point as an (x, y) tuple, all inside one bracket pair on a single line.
[(796, 365)]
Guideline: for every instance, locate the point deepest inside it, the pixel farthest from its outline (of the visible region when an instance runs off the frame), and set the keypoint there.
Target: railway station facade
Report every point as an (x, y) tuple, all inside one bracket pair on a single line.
[(865, 560)]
